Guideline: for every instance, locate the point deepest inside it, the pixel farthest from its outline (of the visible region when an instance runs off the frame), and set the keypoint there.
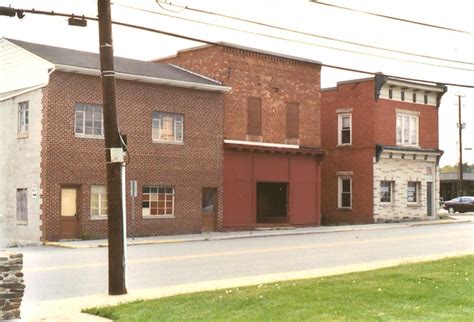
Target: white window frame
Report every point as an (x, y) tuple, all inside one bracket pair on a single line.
[(101, 192), (157, 124), (157, 190), (340, 180), (340, 129), (82, 125), (23, 119), (410, 136), (417, 192), (391, 191)]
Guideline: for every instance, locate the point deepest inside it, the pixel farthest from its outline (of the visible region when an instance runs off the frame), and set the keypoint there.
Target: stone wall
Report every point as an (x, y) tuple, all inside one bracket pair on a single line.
[(11, 285)]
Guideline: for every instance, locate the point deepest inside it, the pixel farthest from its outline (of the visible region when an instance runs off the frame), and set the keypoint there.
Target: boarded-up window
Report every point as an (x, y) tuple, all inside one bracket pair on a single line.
[(22, 205), (254, 116), (292, 121)]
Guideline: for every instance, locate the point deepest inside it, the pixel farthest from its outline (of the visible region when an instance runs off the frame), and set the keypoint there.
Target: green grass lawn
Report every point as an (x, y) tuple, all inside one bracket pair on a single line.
[(438, 290)]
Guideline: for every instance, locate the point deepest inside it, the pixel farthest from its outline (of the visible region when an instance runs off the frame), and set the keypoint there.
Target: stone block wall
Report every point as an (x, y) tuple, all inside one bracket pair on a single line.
[(12, 285)]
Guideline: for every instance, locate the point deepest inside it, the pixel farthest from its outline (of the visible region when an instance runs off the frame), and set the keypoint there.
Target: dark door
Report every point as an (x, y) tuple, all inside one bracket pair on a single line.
[(429, 198), (209, 209), (69, 222)]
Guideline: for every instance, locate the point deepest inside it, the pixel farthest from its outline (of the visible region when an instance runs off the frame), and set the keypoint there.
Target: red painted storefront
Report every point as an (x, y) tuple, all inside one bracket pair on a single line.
[(299, 170)]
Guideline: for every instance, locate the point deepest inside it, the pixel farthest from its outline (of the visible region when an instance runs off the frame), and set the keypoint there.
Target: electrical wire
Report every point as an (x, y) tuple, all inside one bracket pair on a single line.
[(391, 17), (128, 25), (295, 31), (301, 42)]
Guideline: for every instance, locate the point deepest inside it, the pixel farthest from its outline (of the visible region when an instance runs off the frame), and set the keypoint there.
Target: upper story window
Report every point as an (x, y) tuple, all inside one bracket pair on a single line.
[(167, 127), (344, 129), (414, 97), (254, 116), (407, 129), (23, 119), (89, 120), (402, 95), (292, 121), (425, 99), (390, 93)]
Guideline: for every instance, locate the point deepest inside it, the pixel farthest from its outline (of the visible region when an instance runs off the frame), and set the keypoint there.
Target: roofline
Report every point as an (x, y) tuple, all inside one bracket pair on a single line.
[(240, 47), (145, 79)]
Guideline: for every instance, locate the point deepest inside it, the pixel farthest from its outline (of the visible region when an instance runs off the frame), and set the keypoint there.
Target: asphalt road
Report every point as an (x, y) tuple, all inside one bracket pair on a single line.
[(58, 273)]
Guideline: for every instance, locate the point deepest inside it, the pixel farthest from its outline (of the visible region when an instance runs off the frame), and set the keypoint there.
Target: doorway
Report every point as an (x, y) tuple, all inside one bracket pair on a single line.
[(209, 209), (429, 198), (69, 220), (272, 202)]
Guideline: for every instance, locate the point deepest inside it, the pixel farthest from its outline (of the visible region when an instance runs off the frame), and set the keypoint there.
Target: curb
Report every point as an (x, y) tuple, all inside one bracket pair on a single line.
[(270, 233)]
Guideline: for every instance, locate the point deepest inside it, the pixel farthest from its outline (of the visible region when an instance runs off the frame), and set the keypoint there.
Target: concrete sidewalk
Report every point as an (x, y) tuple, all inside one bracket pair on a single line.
[(286, 231)]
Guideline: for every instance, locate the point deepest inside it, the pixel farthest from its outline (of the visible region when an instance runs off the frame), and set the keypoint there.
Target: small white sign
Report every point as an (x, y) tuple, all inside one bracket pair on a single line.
[(34, 191)]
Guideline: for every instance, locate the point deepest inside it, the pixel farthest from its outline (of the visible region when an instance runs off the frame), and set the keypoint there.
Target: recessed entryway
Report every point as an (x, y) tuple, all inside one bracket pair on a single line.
[(272, 202)]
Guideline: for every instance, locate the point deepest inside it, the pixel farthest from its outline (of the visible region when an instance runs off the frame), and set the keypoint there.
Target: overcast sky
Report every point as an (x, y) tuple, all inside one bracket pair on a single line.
[(299, 15)]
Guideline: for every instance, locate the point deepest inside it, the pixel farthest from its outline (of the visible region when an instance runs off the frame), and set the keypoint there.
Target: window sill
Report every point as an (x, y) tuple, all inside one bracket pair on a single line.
[(387, 204), (22, 223), (168, 142), (99, 217), (22, 135), (158, 216), (414, 205), (344, 209), (87, 136), (409, 145), (344, 145)]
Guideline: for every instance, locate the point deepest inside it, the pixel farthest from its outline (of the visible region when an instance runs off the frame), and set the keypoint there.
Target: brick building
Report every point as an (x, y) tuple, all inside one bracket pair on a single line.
[(272, 146), (381, 134), (52, 157)]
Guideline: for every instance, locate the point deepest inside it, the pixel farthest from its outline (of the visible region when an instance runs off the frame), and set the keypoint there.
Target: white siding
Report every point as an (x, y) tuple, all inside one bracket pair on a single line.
[(20, 168), (20, 69)]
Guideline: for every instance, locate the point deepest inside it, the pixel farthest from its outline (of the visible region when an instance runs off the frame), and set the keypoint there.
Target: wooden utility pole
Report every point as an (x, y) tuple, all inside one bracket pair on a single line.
[(112, 140), (460, 169)]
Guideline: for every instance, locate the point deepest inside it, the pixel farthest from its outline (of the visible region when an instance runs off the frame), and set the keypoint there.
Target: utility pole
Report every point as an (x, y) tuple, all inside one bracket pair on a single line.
[(113, 147), (460, 128)]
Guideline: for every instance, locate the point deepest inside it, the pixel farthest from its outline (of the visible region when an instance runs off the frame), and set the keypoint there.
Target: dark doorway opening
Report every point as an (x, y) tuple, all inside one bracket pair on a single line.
[(272, 202)]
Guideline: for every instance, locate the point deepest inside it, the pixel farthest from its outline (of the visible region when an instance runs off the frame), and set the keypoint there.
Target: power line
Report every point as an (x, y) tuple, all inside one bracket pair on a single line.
[(293, 31), (391, 17), (124, 24), (302, 42)]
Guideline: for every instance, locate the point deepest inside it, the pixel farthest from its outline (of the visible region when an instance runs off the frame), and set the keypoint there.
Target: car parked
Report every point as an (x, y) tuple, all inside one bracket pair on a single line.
[(459, 204)]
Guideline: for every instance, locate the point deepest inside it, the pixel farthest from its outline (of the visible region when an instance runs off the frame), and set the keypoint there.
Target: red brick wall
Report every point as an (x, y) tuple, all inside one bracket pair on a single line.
[(68, 160), (373, 122), (276, 80)]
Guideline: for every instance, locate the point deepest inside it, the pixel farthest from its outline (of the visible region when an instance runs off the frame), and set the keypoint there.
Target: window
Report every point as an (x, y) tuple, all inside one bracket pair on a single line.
[(89, 121), (209, 196), (22, 205), (414, 97), (254, 116), (158, 201), (386, 190), (425, 99), (167, 127), (390, 93), (413, 191), (98, 201), (345, 125), (292, 121), (345, 192), (407, 129), (402, 95), (23, 118)]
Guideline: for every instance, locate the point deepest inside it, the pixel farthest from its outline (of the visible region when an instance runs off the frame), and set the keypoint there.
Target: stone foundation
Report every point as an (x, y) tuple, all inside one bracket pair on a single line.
[(12, 285)]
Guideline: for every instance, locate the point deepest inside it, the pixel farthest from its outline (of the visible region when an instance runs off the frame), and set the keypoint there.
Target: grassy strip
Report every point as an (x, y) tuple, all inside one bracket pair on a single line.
[(438, 290)]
